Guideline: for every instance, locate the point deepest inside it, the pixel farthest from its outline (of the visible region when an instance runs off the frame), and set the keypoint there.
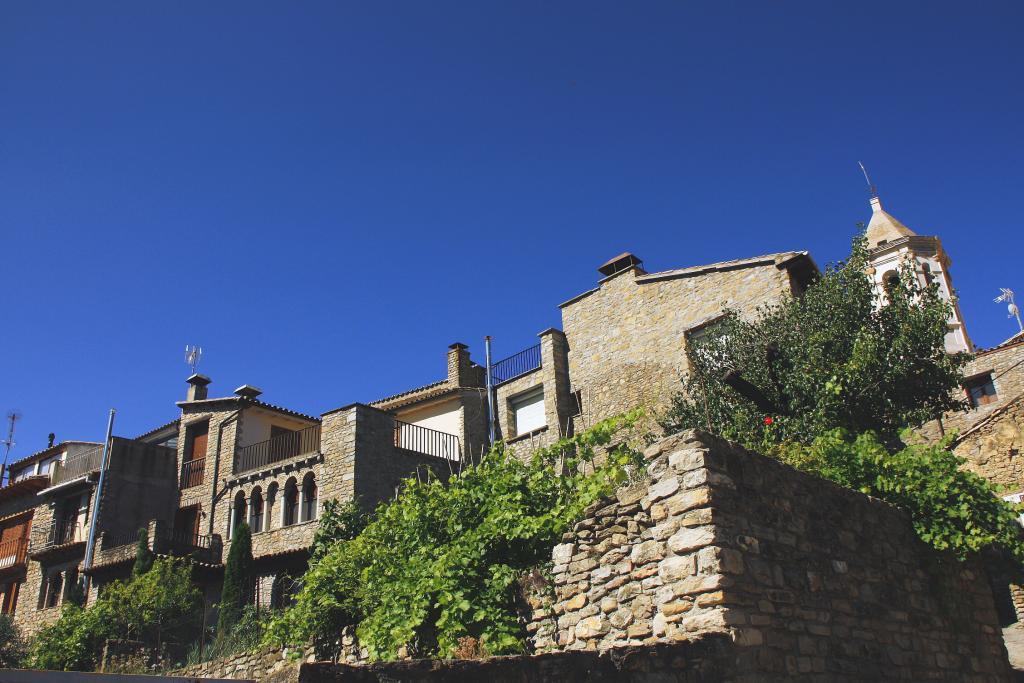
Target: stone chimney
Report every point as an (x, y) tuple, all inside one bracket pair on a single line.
[(248, 391), (620, 263), (459, 373), (197, 387)]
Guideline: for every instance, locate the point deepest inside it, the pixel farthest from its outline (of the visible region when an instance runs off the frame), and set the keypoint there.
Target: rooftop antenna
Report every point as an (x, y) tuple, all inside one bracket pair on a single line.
[(192, 356), (871, 188), (1007, 295), (12, 417)]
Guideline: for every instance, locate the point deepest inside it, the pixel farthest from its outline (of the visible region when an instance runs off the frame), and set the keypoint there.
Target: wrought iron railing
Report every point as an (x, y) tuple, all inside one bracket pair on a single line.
[(427, 441), (12, 552), (192, 473), (283, 447), (521, 363), (61, 532), (77, 466), (119, 539)]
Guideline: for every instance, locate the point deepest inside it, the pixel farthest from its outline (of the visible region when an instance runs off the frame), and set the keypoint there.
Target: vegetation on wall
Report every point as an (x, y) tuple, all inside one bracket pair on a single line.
[(440, 563), (143, 555), (829, 382), (13, 648), (159, 609)]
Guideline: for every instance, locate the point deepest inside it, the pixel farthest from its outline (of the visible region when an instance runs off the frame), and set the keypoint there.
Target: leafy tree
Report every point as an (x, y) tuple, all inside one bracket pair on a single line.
[(13, 649), (143, 555), (238, 580), (952, 509), (156, 608), (841, 356), (441, 562), (75, 593)]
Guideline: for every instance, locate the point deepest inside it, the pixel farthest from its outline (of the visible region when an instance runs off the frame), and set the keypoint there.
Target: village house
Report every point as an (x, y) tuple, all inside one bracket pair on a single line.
[(236, 458)]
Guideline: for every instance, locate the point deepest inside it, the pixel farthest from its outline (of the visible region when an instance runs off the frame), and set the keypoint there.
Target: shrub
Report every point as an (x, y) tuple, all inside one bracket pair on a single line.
[(13, 648), (238, 580), (143, 555), (440, 564)]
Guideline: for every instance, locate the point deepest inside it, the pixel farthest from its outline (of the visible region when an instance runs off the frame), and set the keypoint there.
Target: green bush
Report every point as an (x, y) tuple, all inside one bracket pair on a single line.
[(158, 608), (143, 555), (441, 562), (13, 648)]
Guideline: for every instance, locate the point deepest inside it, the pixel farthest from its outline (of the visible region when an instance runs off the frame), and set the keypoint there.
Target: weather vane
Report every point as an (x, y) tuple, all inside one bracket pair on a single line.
[(192, 356), (871, 188), (1007, 295)]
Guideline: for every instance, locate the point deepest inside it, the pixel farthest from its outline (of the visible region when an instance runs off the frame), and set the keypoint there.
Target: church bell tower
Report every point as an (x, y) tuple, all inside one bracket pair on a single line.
[(890, 244)]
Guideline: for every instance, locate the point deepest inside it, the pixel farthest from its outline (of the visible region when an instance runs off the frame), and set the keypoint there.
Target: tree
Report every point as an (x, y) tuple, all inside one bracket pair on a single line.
[(12, 646), (238, 580), (143, 555), (843, 355), (338, 522)]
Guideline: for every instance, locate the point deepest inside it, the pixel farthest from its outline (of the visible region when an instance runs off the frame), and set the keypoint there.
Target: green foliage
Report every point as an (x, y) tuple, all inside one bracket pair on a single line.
[(158, 608), (833, 358), (953, 510), (440, 564), (338, 522), (75, 593), (13, 648), (143, 555), (238, 580), (245, 636)]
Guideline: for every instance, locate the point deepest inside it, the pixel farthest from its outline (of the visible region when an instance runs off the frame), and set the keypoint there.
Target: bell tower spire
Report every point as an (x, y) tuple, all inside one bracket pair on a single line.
[(892, 244)]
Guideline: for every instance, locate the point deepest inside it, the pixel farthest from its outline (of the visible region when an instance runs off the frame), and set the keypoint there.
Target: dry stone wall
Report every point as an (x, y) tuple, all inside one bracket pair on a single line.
[(257, 666), (993, 447), (807, 579)]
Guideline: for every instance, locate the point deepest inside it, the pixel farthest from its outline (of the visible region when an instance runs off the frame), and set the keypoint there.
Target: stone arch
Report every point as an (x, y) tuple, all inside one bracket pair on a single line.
[(290, 503), (256, 510), (309, 497), (238, 510)]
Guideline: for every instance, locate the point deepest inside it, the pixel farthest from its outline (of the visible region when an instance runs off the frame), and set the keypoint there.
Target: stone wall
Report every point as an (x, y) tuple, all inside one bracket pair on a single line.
[(258, 666), (993, 446), (806, 578), (627, 338)]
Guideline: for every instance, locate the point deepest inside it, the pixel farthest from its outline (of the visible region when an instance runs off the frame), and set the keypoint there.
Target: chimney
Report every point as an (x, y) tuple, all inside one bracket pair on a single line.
[(458, 365), (247, 391), (50, 438), (623, 261), (197, 387)]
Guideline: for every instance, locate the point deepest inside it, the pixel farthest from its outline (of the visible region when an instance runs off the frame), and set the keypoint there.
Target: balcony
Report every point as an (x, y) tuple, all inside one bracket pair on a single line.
[(62, 533), (76, 467), (13, 552), (121, 547), (427, 441), (192, 473), (283, 447), (516, 365)]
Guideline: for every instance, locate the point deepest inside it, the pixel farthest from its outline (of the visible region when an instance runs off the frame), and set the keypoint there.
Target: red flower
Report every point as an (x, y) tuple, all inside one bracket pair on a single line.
[(768, 420)]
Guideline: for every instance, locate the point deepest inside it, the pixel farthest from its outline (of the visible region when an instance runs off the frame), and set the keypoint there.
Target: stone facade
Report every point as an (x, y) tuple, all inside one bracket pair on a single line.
[(807, 579), (627, 338)]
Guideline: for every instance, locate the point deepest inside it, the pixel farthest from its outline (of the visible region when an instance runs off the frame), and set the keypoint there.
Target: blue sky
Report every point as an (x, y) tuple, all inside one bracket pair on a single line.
[(324, 195)]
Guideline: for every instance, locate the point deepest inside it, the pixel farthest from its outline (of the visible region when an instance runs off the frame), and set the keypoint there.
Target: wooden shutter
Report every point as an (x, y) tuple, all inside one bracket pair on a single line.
[(199, 442)]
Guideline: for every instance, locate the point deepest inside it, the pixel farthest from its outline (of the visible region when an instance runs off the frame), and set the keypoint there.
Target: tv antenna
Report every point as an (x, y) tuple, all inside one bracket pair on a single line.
[(1014, 312), (192, 356), (871, 188), (12, 417)]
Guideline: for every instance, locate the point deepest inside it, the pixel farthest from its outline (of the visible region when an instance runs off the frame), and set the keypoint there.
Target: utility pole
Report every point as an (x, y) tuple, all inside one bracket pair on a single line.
[(490, 389), (94, 516)]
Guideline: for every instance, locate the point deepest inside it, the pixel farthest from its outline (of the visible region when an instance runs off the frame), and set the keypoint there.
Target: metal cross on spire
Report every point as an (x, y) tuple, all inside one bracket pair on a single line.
[(1007, 295)]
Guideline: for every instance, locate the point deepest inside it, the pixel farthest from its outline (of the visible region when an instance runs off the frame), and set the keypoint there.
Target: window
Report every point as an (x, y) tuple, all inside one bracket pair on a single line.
[(9, 596), (256, 510), (52, 589), (237, 513), (196, 439), (270, 503), (705, 342), (290, 512), (576, 405), (308, 497), (528, 411), (981, 390)]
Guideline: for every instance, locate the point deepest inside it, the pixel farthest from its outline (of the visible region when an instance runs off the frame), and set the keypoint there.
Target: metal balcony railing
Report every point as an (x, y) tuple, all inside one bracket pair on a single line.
[(77, 466), (13, 552), (192, 473), (283, 447), (516, 365), (427, 441), (61, 532)]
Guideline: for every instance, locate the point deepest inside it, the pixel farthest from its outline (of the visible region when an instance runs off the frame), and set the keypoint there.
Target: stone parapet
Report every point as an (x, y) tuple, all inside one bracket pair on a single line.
[(806, 578)]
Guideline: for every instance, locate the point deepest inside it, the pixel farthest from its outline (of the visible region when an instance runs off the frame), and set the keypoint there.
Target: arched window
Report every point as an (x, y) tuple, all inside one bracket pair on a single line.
[(890, 280), (268, 515), (290, 510), (237, 513), (256, 510), (308, 497), (282, 591)]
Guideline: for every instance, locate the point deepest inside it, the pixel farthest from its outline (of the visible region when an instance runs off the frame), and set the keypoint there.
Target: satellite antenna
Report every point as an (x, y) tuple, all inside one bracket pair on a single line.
[(192, 356), (1014, 312), (871, 188), (12, 417)]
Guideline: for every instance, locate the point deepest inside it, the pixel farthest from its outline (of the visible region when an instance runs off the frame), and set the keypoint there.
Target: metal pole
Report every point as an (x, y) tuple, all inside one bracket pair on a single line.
[(91, 543), (490, 389)]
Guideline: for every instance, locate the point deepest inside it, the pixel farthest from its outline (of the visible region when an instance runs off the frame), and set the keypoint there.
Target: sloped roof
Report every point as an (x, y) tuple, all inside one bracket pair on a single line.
[(883, 227), (246, 402), (55, 448), (777, 259)]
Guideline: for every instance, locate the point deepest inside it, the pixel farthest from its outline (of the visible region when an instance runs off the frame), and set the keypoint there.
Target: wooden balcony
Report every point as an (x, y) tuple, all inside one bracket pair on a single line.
[(283, 447)]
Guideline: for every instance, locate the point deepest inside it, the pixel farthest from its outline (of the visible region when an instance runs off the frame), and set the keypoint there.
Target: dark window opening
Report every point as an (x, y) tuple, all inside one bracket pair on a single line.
[(981, 390)]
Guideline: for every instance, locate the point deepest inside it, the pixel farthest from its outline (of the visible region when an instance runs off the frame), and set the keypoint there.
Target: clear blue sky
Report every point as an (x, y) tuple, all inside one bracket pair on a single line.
[(324, 195)]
